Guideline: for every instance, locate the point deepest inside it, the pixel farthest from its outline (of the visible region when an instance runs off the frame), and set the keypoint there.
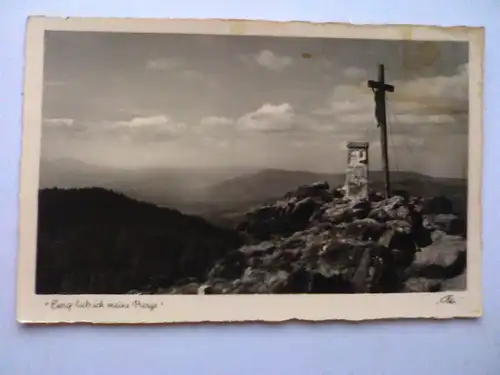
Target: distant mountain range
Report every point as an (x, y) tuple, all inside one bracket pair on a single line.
[(215, 193), (149, 184)]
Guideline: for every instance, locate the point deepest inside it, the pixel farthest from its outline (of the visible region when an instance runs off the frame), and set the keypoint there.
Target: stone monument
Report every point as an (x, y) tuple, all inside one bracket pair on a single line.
[(356, 186)]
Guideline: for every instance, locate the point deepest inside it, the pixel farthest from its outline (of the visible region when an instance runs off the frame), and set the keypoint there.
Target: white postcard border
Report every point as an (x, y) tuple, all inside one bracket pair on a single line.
[(32, 308)]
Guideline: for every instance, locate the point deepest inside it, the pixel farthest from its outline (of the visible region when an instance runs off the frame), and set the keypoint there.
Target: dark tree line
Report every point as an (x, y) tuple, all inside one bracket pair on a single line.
[(94, 241)]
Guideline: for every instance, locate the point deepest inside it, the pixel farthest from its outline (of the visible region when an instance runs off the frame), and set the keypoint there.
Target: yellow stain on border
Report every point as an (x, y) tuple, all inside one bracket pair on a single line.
[(406, 32), (237, 28)]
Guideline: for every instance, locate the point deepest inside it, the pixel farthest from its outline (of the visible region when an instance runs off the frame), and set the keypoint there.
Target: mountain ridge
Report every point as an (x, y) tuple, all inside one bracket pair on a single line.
[(169, 186), (98, 241)]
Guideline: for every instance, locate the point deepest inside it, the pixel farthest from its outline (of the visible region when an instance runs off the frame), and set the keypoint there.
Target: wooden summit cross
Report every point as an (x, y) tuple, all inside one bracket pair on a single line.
[(379, 88)]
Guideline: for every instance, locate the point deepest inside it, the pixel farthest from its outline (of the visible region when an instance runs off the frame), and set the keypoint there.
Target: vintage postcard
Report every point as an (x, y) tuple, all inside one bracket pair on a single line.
[(231, 170)]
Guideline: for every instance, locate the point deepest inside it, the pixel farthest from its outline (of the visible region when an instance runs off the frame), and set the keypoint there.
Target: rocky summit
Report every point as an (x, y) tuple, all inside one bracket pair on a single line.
[(314, 240)]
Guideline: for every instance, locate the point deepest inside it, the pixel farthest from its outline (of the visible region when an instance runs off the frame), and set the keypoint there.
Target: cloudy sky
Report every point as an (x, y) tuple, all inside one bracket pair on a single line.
[(139, 100)]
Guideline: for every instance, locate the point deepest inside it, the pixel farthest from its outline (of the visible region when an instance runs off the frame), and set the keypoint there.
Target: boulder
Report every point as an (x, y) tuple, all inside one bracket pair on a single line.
[(302, 212), (447, 223), (437, 235), (398, 236), (257, 281), (262, 248), (443, 259), (281, 219), (230, 267), (422, 285), (279, 282), (350, 266), (191, 288), (319, 189), (403, 213), (365, 229), (428, 222), (379, 214), (320, 185), (458, 283), (313, 241), (218, 286), (400, 226), (338, 192), (422, 237), (361, 209), (402, 193), (284, 259), (375, 196), (394, 202), (437, 205), (338, 214), (296, 239), (388, 209), (450, 224)]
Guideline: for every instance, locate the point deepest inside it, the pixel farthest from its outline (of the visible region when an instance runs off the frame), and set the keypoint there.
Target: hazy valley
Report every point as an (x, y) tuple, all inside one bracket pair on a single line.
[(245, 231), (220, 193)]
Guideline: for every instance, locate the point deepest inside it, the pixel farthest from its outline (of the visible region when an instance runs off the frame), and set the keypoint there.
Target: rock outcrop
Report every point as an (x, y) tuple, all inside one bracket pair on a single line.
[(315, 241)]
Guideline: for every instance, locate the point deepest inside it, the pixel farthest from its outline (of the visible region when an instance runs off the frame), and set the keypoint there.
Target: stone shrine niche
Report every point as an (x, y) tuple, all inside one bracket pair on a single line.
[(357, 170)]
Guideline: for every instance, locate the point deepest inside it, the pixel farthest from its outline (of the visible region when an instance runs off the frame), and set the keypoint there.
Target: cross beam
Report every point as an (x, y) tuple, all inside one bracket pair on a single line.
[(379, 88), (380, 84)]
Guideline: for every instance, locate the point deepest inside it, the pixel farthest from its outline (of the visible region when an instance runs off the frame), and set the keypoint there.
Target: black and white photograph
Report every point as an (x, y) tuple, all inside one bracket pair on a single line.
[(203, 164)]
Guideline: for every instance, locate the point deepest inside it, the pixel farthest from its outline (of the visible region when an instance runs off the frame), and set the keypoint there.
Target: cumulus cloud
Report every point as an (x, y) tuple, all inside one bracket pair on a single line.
[(268, 118), (444, 93), (149, 129), (138, 122), (157, 122), (422, 102), (269, 60)]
